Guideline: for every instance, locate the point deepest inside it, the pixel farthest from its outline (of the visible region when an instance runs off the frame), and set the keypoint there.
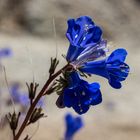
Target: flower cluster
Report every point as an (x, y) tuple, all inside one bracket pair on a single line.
[(87, 54)]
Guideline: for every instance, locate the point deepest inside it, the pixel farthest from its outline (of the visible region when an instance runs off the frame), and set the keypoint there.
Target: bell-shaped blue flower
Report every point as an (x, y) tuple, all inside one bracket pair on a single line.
[(113, 68), (73, 125), (80, 95), (81, 34)]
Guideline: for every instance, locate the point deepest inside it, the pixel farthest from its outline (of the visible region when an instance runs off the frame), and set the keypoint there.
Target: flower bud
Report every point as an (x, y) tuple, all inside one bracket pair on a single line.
[(36, 115), (32, 90), (13, 120)]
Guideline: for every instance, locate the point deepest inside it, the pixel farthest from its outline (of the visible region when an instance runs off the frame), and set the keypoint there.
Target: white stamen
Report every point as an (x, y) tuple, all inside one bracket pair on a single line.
[(76, 36), (90, 99), (79, 105), (83, 93), (75, 94), (84, 38)]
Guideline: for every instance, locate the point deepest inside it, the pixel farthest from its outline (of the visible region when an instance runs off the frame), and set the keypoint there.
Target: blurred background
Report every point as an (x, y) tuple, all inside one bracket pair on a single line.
[(27, 27)]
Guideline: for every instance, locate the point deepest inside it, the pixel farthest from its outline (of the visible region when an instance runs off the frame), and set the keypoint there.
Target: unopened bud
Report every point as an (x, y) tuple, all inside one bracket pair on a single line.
[(36, 115), (27, 138), (54, 63), (32, 88), (13, 120)]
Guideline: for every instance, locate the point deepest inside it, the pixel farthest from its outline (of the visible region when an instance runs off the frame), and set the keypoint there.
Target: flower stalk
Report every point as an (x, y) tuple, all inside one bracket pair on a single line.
[(33, 105)]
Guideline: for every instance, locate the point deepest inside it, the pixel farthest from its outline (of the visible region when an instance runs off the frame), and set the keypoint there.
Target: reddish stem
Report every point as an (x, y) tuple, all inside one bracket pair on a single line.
[(21, 129)]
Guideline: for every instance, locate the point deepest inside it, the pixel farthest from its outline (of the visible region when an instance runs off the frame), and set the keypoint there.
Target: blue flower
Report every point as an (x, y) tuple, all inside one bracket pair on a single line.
[(87, 54), (73, 124), (81, 34), (17, 96), (5, 52), (113, 68), (80, 95)]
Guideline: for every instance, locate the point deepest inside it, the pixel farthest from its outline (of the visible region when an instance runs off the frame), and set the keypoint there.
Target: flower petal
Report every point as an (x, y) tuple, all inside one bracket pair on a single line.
[(69, 97), (73, 52), (113, 68), (119, 54), (82, 109), (95, 67), (80, 33), (95, 96), (114, 83)]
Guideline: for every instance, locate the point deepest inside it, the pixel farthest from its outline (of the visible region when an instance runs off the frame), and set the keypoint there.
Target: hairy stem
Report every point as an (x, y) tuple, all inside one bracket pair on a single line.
[(45, 87)]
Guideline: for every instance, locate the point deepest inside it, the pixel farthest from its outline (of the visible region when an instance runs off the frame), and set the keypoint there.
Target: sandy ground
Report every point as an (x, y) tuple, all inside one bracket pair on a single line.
[(117, 118)]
